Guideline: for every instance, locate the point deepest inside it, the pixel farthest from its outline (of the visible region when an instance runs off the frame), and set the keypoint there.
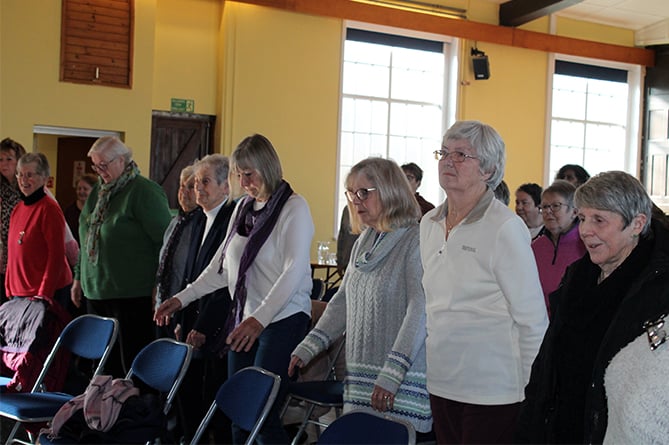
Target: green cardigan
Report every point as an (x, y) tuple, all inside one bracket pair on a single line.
[(130, 241)]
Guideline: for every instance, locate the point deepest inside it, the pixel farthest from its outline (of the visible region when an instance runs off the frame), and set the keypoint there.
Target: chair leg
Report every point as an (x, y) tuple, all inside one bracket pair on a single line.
[(12, 434), (303, 425)]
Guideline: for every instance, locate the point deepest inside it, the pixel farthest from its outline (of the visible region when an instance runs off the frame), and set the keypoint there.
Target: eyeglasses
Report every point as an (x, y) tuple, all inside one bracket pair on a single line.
[(28, 175), (555, 207), (361, 194), (456, 156), (103, 166)]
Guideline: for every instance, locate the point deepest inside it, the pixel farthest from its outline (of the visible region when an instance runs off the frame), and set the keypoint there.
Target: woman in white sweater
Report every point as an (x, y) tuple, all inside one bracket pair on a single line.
[(381, 303), (265, 263), (485, 311)]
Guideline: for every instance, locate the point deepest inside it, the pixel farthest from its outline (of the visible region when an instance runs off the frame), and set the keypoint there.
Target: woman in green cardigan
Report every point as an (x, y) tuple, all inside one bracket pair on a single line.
[(121, 231)]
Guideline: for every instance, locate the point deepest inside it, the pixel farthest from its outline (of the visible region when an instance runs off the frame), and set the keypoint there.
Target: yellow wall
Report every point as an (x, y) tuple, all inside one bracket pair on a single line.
[(258, 70), (33, 95), (283, 73), (186, 53)]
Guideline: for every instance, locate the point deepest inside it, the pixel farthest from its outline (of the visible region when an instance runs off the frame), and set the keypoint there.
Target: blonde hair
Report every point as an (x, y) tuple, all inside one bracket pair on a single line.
[(399, 207)]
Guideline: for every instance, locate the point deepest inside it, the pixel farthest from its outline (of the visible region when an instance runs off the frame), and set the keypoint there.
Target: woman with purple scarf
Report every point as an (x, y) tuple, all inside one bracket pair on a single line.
[(265, 263)]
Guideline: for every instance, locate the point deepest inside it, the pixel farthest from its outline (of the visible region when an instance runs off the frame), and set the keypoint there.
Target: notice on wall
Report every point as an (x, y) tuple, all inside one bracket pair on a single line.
[(182, 105)]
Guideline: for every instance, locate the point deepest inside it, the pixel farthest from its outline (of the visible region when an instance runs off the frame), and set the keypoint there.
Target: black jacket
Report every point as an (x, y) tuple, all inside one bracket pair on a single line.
[(646, 298)]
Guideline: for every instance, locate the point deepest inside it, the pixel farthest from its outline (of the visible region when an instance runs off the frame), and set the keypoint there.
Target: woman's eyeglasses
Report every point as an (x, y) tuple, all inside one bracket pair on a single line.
[(28, 175), (555, 207), (361, 194), (103, 166), (456, 156)]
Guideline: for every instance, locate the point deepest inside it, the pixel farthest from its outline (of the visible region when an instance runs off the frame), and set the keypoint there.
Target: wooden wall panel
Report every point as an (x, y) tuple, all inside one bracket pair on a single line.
[(96, 42)]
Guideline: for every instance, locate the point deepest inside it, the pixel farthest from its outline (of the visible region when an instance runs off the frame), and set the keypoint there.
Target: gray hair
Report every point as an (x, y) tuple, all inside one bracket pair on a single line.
[(112, 147), (186, 173), (257, 153), (487, 144), (218, 162), (39, 159), (617, 192), (563, 188)]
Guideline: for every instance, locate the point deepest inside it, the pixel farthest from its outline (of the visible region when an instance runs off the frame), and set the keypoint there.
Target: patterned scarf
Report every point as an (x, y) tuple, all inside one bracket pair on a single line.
[(166, 259), (257, 225), (9, 197), (97, 216)]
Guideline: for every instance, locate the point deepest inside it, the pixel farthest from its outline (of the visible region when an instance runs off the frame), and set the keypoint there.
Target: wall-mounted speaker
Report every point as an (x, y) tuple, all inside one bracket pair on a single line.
[(481, 67)]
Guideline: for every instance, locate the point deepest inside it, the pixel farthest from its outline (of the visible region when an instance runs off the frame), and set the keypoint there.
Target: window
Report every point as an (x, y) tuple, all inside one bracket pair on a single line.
[(393, 104), (594, 118)]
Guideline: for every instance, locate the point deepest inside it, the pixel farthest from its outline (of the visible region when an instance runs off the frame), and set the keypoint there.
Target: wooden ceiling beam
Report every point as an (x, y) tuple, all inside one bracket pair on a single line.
[(466, 29), (519, 12)]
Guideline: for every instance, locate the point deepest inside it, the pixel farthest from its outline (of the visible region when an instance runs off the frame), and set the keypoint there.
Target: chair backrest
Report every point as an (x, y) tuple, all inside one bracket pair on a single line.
[(329, 293), (89, 336), (365, 427), (162, 365), (245, 398), (317, 289)]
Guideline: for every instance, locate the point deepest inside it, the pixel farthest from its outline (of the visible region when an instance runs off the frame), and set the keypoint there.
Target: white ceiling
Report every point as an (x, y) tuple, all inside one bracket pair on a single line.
[(628, 14)]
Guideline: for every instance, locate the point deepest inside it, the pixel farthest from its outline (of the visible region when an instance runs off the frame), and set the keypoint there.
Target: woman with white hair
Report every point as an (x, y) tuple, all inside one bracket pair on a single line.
[(616, 293), (485, 310), (121, 230)]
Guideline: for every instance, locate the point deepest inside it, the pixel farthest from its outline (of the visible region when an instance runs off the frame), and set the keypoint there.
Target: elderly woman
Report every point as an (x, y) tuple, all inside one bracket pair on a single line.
[(559, 245), (381, 303), (528, 199), (177, 241), (265, 263), (38, 278), (603, 303), (121, 231), (485, 312), (10, 152)]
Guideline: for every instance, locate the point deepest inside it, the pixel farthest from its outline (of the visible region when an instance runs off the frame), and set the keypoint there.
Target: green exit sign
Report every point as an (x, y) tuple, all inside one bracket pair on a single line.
[(182, 105)]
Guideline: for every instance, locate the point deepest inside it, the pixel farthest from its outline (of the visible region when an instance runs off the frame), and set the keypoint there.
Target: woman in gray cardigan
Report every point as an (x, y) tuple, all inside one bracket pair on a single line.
[(381, 303)]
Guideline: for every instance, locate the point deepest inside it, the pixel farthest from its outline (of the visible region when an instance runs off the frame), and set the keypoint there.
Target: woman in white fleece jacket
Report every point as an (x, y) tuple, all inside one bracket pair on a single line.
[(485, 311)]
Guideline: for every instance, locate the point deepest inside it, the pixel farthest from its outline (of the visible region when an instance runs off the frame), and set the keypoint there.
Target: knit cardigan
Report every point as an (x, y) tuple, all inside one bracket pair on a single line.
[(381, 306)]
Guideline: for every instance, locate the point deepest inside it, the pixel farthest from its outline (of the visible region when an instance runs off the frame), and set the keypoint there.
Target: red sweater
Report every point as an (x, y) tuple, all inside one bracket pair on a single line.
[(36, 263)]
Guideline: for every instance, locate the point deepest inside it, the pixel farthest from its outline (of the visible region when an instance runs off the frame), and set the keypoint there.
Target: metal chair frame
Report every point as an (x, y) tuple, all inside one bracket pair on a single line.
[(228, 389), (77, 339)]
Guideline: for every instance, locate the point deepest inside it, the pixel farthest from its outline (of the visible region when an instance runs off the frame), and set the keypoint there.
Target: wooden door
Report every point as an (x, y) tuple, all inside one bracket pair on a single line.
[(72, 162), (655, 165), (176, 141)]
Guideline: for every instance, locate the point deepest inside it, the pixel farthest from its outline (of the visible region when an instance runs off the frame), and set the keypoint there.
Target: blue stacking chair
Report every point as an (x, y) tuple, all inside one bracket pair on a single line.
[(365, 427), (161, 365), (245, 398), (88, 336)]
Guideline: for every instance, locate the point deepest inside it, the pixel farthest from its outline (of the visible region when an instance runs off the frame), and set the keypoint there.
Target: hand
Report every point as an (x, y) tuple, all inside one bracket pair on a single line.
[(196, 339), (382, 400), (178, 331), (75, 293), (295, 361), (165, 311), (244, 335)]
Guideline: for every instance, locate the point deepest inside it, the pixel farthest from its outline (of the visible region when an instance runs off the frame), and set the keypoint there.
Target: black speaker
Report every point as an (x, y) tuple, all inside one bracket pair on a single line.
[(481, 67)]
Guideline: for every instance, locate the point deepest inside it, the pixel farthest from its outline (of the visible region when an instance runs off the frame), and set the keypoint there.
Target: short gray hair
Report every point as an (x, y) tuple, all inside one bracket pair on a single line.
[(563, 188), (39, 159), (487, 144), (617, 192), (220, 164), (112, 147)]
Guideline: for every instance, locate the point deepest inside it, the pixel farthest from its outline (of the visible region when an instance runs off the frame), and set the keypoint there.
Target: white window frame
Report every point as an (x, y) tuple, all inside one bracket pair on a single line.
[(449, 101), (635, 75)]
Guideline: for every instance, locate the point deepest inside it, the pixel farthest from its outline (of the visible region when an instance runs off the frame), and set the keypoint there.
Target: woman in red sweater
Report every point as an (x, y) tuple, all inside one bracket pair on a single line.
[(38, 277)]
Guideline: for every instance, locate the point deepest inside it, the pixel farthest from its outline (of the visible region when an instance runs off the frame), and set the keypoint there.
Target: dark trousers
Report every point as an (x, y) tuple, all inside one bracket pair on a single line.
[(135, 318), (272, 352), (466, 423)]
